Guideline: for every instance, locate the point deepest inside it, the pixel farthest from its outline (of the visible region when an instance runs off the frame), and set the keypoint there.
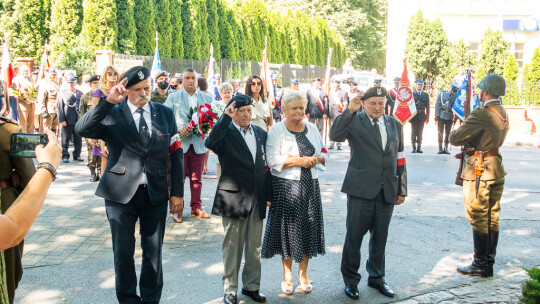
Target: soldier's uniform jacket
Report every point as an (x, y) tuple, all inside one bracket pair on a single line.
[(47, 95), (444, 104), (156, 97), (484, 131), (421, 99), (331, 108), (85, 104), (68, 106), (390, 101), (278, 94), (24, 169), (313, 108)]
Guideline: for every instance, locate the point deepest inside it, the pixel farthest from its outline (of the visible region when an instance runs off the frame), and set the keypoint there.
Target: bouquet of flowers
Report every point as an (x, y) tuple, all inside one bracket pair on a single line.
[(201, 121), (25, 93)]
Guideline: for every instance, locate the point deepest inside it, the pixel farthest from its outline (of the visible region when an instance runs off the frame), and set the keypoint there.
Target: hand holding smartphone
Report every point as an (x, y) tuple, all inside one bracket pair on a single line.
[(24, 144)]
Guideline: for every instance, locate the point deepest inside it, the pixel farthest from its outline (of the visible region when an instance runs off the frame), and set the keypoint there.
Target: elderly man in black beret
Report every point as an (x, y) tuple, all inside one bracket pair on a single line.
[(242, 195), (376, 180), (141, 136)]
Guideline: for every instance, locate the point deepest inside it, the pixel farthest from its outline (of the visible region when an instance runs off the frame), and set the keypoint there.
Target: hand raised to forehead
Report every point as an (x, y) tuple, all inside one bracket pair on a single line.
[(118, 93), (230, 110)]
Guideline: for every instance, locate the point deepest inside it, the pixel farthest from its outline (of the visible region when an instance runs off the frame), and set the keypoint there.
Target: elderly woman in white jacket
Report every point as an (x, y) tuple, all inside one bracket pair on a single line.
[(295, 229)]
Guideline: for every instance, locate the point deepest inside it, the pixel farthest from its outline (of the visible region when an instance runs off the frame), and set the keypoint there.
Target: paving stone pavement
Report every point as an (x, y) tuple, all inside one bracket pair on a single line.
[(71, 238)]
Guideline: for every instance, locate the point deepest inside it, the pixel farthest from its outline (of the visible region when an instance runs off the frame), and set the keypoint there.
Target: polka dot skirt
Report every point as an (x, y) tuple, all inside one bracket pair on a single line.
[(295, 220)]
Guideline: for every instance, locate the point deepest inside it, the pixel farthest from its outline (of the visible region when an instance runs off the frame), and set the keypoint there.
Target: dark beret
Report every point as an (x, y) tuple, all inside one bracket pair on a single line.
[(316, 79), (374, 92), (419, 81), (94, 78), (136, 74), (241, 101)]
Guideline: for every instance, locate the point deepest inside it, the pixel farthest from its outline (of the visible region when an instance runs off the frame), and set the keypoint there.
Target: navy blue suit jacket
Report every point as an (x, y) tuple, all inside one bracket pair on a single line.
[(128, 158)]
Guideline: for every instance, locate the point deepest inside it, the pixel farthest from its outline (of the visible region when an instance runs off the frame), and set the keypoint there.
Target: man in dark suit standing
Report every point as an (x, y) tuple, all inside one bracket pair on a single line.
[(141, 136), (315, 107), (67, 107), (421, 99), (242, 195), (391, 98), (375, 181)]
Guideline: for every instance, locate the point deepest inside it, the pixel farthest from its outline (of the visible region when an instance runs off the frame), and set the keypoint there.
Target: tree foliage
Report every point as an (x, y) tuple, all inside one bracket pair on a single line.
[(177, 39), (144, 14), (99, 28), (511, 73), (163, 26), (492, 54), (427, 48), (127, 31), (66, 25)]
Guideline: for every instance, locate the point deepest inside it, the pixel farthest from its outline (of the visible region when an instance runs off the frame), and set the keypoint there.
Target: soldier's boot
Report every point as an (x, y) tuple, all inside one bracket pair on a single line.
[(479, 267), (492, 250), (413, 148), (446, 149), (419, 149), (93, 175), (440, 150)]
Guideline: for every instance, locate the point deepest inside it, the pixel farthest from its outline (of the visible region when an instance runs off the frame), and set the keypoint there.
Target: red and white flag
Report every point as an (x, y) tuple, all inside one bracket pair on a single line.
[(45, 65), (265, 73), (404, 108), (7, 67), (326, 84)]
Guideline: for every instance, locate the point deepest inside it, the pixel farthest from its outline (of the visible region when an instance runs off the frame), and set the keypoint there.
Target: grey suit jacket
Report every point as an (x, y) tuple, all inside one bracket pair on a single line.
[(370, 168), (178, 102)]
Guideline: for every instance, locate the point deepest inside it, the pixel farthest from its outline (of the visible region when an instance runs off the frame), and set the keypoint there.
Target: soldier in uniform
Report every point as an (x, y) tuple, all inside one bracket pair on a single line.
[(337, 102), (161, 92), (484, 131), (278, 94), (46, 105), (444, 116), (391, 98), (217, 83), (315, 107), (68, 114), (421, 99), (23, 83), (94, 161), (295, 84), (15, 173)]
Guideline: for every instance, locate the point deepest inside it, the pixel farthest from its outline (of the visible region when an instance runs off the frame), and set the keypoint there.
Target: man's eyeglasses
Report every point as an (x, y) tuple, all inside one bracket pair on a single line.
[(112, 73), (256, 84)]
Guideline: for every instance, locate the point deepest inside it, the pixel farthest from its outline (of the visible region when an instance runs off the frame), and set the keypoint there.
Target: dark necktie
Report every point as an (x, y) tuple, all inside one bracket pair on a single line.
[(377, 132), (144, 133)]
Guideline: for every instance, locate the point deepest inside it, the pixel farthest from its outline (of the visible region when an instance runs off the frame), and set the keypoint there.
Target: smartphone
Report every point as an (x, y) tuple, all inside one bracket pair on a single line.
[(24, 144)]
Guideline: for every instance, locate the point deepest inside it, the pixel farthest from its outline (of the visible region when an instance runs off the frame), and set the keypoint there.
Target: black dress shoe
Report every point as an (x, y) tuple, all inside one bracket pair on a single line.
[(383, 288), (352, 292), (255, 295), (65, 160), (229, 299), (78, 159)]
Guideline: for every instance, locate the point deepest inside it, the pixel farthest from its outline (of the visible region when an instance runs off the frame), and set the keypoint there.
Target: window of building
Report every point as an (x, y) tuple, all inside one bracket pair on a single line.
[(516, 49), (474, 50)]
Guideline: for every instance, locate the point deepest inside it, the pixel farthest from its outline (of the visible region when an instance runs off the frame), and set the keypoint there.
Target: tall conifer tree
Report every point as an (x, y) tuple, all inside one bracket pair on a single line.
[(127, 37), (99, 27), (163, 26), (144, 14)]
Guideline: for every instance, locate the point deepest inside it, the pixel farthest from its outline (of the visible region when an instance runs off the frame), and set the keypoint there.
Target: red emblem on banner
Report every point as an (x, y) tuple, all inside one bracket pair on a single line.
[(405, 108)]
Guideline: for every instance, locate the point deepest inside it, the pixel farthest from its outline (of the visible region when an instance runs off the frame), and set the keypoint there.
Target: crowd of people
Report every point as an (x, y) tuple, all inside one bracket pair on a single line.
[(270, 146)]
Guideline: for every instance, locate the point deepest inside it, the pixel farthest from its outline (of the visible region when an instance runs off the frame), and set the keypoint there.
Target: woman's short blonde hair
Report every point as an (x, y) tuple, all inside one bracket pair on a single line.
[(292, 97), (225, 85), (103, 79)]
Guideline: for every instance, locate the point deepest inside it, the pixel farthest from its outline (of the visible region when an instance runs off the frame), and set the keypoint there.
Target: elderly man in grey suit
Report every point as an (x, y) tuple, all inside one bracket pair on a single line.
[(375, 181), (181, 102)]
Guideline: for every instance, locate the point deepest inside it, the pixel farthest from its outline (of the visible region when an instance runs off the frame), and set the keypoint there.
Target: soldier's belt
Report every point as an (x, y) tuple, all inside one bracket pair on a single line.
[(5, 184), (489, 153)]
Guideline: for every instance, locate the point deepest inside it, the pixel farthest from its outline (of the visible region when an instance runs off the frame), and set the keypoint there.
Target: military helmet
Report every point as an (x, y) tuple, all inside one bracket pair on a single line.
[(494, 84)]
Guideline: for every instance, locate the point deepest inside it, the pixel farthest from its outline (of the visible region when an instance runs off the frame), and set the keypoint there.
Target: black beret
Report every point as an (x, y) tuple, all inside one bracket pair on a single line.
[(241, 101), (94, 78), (374, 92), (136, 74)]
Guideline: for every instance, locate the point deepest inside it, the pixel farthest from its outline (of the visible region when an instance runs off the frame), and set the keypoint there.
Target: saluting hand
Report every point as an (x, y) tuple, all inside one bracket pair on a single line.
[(355, 104), (118, 93), (230, 110)]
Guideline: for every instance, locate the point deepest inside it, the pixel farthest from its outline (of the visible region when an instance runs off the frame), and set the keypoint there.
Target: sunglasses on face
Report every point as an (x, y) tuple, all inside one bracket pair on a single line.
[(112, 73), (256, 84)]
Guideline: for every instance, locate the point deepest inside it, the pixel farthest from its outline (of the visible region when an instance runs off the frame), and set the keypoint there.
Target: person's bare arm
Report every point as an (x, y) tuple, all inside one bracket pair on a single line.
[(18, 219), (300, 161)]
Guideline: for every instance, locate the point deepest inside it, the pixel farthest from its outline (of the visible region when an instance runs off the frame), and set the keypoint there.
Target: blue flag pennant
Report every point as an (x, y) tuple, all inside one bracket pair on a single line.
[(156, 64), (459, 105)]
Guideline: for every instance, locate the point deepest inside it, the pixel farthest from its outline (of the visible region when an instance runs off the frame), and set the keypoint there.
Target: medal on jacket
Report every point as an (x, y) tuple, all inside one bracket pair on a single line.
[(262, 149)]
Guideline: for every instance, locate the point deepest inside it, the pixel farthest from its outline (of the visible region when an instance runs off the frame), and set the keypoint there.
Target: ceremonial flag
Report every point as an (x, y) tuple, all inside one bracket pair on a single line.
[(45, 65), (156, 64), (7, 68), (326, 84), (210, 72), (458, 107), (404, 108), (265, 72)]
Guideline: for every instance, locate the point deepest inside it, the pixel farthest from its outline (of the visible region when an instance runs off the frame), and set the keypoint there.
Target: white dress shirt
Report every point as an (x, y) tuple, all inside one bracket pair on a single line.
[(136, 119), (193, 100), (382, 129), (250, 139)]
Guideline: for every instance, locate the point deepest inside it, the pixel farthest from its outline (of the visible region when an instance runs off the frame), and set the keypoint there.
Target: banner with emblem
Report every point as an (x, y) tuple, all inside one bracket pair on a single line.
[(404, 108), (210, 72), (458, 107), (7, 68)]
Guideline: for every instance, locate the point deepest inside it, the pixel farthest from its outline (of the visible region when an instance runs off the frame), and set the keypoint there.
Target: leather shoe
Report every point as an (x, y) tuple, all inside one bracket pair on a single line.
[(200, 213), (78, 159), (383, 288), (255, 295), (352, 292), (178, 218), (229, 299), (65, 160)]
